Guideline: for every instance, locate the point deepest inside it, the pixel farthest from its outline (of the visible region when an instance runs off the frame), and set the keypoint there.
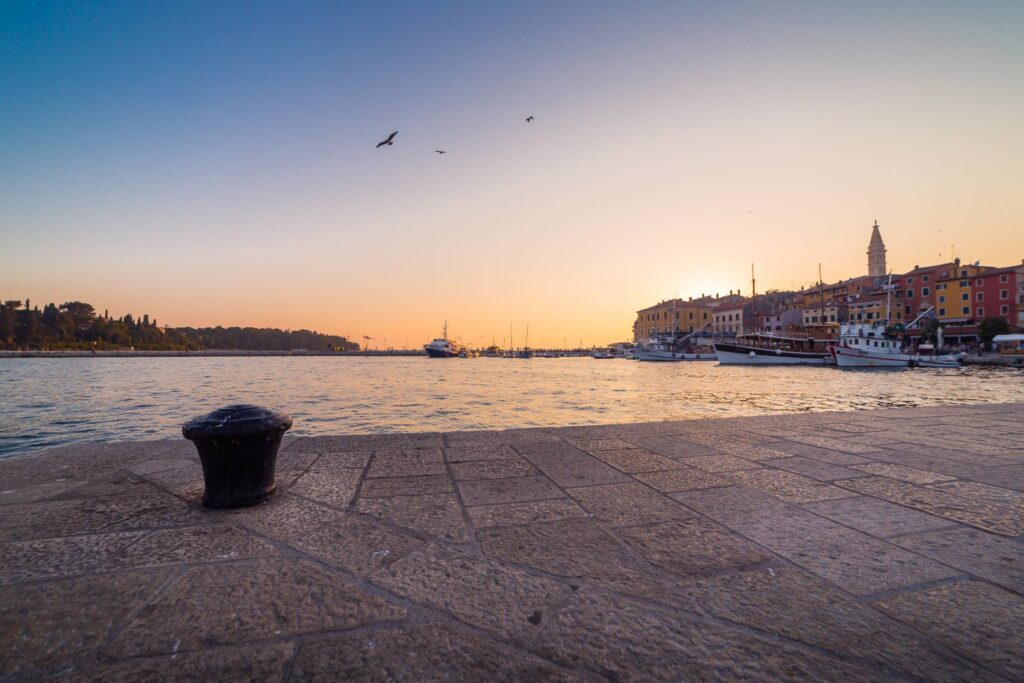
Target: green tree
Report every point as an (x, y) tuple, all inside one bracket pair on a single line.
[(990, 327)]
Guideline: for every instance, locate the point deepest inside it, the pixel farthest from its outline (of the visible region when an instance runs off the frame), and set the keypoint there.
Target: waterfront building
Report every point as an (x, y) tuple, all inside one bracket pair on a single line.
[(827, 315), (727, 318), (999, 293), (674, 316)]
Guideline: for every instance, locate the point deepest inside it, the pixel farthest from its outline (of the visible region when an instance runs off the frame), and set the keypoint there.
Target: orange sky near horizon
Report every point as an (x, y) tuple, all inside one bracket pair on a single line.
[(673, 146)]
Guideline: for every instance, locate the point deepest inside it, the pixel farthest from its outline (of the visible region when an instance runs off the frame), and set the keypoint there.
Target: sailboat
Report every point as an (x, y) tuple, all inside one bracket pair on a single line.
[(525, 352)]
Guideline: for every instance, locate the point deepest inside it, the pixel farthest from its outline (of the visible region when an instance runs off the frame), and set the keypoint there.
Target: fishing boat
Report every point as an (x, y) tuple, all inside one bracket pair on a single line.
[(870, 345), (442, 347), (664, 348), (770, 349)]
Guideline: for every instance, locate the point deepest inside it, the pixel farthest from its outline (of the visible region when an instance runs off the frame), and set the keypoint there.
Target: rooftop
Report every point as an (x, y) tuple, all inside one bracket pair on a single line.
[(856, 546)]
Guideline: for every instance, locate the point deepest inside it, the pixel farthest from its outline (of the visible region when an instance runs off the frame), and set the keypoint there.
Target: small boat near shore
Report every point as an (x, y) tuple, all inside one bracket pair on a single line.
[(769, 349), (442, 347)]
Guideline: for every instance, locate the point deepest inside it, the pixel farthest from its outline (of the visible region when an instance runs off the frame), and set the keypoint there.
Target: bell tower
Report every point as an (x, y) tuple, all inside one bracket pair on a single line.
[(876, 253)]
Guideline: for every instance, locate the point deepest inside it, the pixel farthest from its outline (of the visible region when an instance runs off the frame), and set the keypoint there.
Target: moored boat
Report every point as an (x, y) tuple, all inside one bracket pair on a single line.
[(442, 347), (768, 349), (874, 345)]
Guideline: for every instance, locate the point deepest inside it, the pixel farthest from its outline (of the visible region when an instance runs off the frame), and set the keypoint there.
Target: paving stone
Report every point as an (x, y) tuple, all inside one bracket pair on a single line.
[(404, 486), (425, 652), (194, 544), (333, 487), (550, 446), (577, 548), (282, 516), (583, 473), (493, 469), (818, 453), (996, 518), (619, 639), (791, 603), (981, 621), (115, 513), (686, 479), (609, 444), (47, 626), (982, 492), (265, 662), (911, 475), (720, 463), (788, 486), (478, 591), (406, 463), (814, 469), (673, 446), (480, 452), (732, 505), (750, 452), (877, 517), (692, 545), (637, 460), (295, 460), (304, 599), (630, 503), (42, 491), (513, 490), (1007, 476), (356, 545), (61, 557), (341, 460), (509, 514), (987, 556), (438, 515)]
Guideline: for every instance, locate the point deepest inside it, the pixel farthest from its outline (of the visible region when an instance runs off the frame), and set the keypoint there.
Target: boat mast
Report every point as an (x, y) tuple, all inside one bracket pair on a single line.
[(821, 300), (444, 332), (526, 341)]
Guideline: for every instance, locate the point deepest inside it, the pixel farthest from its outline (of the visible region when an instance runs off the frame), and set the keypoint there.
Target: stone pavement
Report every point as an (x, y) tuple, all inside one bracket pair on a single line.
[(835, 546)]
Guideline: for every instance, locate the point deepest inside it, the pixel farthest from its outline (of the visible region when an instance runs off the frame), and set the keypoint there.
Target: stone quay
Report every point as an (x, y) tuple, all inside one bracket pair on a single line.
[(857, 546)]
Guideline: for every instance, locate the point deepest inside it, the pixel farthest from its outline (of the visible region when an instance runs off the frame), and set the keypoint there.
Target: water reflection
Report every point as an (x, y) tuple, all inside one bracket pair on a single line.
[(46, 402)]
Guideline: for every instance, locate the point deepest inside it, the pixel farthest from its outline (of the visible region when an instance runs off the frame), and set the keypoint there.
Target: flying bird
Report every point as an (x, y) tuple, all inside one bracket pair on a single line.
[(389, 141), (529, 118), (440, 151)]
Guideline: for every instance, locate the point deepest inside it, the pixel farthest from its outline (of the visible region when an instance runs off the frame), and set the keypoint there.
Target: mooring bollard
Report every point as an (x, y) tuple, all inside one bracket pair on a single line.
[(238, 448)]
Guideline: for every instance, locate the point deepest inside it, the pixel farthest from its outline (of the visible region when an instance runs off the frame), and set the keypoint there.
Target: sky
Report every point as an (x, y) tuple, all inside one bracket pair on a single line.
[(214, 162)]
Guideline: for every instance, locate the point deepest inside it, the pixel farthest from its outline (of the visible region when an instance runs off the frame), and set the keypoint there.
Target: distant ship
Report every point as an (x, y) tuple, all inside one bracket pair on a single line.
[(442, 347)]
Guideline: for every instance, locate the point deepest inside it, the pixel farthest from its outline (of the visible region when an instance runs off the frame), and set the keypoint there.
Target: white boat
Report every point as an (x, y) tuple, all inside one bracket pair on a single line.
[(769, 349), (874, 345), (442, 347), (602, 354), (665, 348)]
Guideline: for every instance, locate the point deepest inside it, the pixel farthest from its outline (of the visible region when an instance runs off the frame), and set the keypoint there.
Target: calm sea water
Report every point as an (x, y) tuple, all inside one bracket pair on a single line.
[(46, 402)]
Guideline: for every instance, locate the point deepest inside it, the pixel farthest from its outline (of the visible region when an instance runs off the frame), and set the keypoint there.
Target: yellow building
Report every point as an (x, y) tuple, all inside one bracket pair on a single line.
[(953, 298), (674, 316)]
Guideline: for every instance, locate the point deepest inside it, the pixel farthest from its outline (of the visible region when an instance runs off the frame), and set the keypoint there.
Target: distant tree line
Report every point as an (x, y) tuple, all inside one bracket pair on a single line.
[(75, 325)]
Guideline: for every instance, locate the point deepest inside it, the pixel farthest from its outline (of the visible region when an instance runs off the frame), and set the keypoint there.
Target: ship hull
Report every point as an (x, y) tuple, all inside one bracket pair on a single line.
[(438, 353), (855, 358), (738, 354), (672, 357)]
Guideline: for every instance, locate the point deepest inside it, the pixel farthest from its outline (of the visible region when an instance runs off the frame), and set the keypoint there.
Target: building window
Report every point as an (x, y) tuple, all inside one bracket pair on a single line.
[(980, 313), (965, 296), (942, 311), (1004, 278), (910, 294), (1004, 310), (925, 291), (910, 280), (979, 296), (1004, 294), (924, 278), (940, 287), (979, 282), (906, 309), (963, 273), (966, 310), (942, 298), (965, 283)]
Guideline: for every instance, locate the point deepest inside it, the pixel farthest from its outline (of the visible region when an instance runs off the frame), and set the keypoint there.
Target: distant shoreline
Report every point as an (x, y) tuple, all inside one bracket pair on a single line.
[(211, 353)]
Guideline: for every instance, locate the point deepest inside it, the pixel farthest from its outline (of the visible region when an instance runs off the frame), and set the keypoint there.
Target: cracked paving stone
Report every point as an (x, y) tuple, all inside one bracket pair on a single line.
[(475, 590), (47, 626), (983, 622), (438, 515), (224, 604), (692, 545), (425, 652), (627, 504)]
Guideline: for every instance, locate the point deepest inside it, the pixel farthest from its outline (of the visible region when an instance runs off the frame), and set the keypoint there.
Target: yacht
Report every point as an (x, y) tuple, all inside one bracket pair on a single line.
[(442, 347), (770, 349), (663, 348), (870, 345)]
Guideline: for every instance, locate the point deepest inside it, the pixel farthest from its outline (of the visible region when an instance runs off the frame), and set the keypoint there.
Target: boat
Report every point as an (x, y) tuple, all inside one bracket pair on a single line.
[(666, 348), (526, 351), (770, 349), (442, 347), (602, 354), (870, 345)]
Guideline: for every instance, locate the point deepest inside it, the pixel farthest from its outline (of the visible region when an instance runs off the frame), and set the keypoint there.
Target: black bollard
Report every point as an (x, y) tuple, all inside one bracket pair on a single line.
[(238, 448)]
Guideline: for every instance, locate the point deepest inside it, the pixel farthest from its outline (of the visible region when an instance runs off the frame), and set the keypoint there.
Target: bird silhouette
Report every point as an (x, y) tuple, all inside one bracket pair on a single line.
[(440, 151), (529, 118), (389, 141)]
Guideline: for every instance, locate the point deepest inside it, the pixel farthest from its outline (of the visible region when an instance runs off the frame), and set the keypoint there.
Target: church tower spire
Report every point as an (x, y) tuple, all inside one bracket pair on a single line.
[(876, 253)]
